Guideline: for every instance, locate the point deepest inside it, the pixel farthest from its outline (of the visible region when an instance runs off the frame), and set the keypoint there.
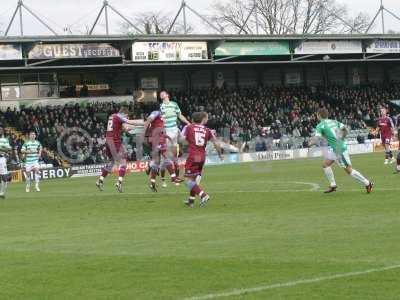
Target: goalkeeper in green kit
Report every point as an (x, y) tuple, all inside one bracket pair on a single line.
[(334, 133)]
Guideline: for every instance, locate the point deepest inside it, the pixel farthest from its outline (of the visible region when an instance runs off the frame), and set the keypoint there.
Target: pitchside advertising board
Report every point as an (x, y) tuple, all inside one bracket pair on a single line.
[(92, 50), (384, 46), (10, 52), (253, 48), (140, 166), (329, 47), (169, 51)]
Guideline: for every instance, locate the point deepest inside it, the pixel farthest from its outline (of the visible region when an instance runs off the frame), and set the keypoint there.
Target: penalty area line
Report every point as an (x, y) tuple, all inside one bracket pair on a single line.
[(239, 292)]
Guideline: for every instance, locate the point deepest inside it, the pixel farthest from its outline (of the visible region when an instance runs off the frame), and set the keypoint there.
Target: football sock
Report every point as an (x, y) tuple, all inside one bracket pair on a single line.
[(398, 162), (122, 171), (176, 165), (357, 176), (171, 171), (330, 176), (197, 191), (120, 178), (162, 174), (37, 179), (104, 174), (28, 180), (153, 175), (3, 187)]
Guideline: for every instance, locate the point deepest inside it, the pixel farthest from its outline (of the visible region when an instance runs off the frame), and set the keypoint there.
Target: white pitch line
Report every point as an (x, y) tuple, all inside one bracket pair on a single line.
[(239, 292), (314, 186)]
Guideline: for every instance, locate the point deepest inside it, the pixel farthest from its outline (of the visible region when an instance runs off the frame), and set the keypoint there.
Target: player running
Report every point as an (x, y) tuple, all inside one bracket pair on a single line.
[(4, 175), (115, 150), (334, 133), (170, 112), (32, 150), (197, 135), (398, 138), (386, 128)]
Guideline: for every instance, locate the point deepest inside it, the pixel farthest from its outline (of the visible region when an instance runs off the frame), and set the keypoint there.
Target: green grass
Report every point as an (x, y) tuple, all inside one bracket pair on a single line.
[(263, 226)]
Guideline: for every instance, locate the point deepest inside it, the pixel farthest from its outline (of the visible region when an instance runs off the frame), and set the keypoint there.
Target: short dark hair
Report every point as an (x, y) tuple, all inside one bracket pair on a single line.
[(124, 109), (323, 112), (198, 117)]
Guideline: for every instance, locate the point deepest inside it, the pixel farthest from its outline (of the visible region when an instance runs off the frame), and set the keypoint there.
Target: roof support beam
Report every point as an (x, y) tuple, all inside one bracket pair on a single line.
[(303, 57), (104, 8), (43, 62), (374, 55), (19, 8)]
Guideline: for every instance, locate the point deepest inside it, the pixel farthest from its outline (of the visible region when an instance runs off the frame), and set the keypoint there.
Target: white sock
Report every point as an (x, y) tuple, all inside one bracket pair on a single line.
[(120, 179), (3, 187), (330, 176), (28, 180), (37, 179), (101, 178), (357, 176)]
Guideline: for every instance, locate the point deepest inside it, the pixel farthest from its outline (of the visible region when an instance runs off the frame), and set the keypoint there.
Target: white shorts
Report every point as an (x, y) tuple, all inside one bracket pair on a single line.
[(29, 168), (173, 134), (3, 166), (343, 159)]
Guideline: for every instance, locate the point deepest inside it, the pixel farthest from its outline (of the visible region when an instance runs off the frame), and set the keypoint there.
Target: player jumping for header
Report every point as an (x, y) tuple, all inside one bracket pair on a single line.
[(386, 128), (170, 112), (197, 135), (155, 131), (334, 133), (115, 150)]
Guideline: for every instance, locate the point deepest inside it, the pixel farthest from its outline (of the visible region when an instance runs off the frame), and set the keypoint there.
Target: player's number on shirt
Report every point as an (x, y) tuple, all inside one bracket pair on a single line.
[(200, 138), (110, 125)]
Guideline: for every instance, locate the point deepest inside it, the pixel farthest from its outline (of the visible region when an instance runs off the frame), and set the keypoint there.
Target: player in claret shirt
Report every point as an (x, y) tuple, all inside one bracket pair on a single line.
[(115, 150), (197, 136), (385, 128), (398, 137)]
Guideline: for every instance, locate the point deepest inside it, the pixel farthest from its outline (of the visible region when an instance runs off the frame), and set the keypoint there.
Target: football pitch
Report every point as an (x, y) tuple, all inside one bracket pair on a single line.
[(268, 232)]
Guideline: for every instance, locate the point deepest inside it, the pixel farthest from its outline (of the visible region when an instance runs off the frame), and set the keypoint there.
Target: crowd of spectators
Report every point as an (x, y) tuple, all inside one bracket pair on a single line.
[(287, 111), (53, 123), (245, 114)]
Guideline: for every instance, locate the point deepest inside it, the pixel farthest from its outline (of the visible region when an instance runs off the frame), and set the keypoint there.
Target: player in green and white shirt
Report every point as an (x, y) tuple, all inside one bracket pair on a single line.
[(4, 175), (171, 113), (335, 133), (32, 149)]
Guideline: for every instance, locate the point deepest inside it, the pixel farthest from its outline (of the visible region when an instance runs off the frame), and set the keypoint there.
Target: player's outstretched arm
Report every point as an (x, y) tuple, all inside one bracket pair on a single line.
[(135, 122), (40, 150), (183, 119), (344, 132), (217, 145)]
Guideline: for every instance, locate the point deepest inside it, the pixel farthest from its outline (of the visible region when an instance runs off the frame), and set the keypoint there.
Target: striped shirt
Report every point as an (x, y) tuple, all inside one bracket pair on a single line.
[(4, 145), (33, 149), (170, 112)]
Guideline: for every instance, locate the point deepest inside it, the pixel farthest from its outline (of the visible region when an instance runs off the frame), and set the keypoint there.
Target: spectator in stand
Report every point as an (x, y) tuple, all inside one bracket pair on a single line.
[(84, 92)]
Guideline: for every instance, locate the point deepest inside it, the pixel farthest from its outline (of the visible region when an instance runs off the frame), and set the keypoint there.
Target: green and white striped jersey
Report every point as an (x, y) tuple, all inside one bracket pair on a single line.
[(330, 130), (170, 112), (4, 145), (32, 149)]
